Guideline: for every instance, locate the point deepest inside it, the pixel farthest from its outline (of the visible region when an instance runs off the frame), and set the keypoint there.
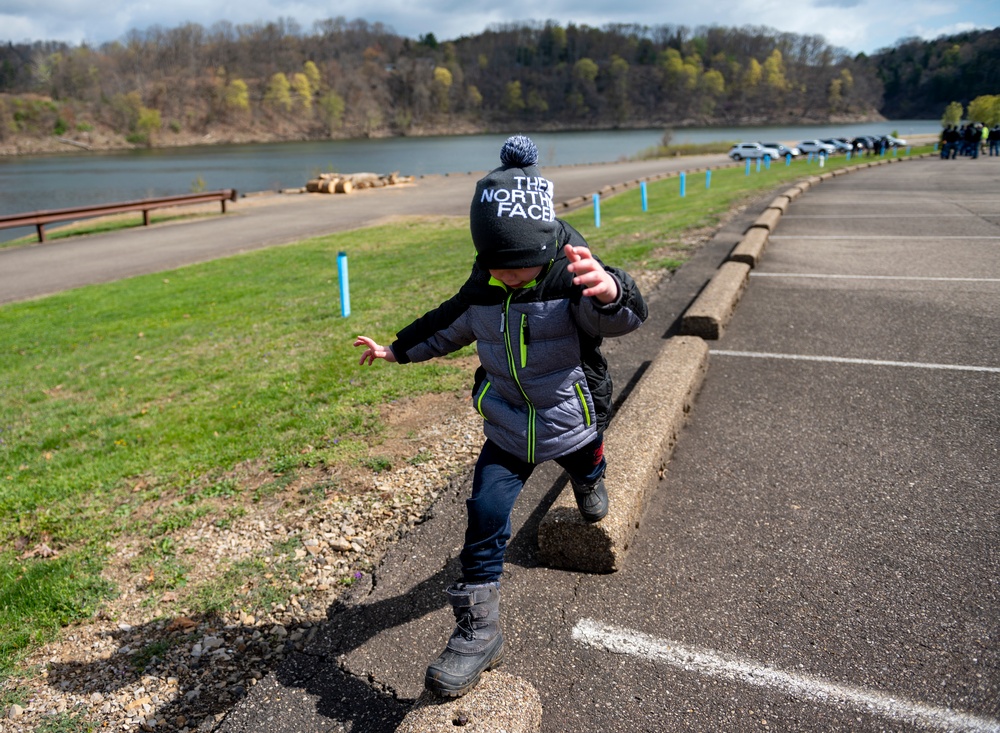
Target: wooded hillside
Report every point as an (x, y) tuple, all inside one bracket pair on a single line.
[(273, 81), (922, 77)]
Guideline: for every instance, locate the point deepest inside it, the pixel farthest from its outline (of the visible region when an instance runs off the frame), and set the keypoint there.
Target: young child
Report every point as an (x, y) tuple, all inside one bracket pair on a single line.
[(538, 303)]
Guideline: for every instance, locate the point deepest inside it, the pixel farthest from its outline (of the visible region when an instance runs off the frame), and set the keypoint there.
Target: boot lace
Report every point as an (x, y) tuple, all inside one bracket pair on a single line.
[(466, 626), (470, 621)]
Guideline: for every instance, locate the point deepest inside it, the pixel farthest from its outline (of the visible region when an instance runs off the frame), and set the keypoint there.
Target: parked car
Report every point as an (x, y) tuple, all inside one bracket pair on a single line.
[(783, 150), (752, 150), (863, 143), (895, 142), (816, 146), (842, 146)]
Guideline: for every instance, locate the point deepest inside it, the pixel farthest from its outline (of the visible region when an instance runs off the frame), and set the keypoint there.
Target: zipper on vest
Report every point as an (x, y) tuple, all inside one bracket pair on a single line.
[(583, 403), (525, 337), (512, 367), (482, 394)]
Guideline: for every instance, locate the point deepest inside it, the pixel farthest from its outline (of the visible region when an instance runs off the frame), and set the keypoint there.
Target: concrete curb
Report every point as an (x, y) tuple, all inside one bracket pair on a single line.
[(751, 247), (780, 203), (768, 219), (663, 398), (500, 702), (793, 193), (711, 311)]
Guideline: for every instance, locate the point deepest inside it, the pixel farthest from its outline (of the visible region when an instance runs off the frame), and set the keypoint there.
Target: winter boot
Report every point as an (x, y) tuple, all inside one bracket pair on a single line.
[(591, 499), (476, 644)]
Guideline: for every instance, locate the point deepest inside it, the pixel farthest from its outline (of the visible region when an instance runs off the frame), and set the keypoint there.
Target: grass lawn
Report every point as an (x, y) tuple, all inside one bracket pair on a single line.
[(125, 407)]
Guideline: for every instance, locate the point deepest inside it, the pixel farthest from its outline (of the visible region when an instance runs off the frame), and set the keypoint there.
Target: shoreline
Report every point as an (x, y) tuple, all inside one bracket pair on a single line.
[(105, 142)]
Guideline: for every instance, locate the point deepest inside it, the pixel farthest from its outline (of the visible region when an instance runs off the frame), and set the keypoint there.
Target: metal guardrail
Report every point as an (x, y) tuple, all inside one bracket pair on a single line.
[(39, 219)]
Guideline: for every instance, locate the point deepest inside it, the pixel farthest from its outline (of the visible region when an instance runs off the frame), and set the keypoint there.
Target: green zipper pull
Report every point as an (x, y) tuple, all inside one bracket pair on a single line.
[(524, 340)]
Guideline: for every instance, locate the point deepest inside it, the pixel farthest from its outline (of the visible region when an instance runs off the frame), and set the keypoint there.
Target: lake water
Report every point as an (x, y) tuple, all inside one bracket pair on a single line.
[(31, 183)]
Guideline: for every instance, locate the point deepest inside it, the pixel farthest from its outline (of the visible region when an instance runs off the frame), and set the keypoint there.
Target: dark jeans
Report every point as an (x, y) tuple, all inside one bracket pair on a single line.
[(496, 483)]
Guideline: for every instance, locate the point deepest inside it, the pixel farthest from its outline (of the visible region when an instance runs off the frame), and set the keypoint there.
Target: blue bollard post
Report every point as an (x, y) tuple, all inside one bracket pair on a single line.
[(788, 159), (597, 210), (767, 162), (645, 200), (683, 183), (345, 287), (748, 168), (708, 178), (847, 157), (758, 165)]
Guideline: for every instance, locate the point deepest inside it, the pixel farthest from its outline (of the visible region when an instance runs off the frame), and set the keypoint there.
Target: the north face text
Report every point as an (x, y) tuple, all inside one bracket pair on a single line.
[(531, 198)]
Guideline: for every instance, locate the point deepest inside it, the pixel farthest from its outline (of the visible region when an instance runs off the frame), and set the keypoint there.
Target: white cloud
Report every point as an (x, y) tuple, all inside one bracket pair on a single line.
[(946, 30)]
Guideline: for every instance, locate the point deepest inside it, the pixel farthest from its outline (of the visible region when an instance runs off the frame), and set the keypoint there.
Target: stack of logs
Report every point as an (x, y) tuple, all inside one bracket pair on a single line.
[(345, 183)]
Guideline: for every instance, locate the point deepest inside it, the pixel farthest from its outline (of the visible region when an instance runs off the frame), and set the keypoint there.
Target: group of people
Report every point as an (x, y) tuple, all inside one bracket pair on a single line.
[(969, 140)]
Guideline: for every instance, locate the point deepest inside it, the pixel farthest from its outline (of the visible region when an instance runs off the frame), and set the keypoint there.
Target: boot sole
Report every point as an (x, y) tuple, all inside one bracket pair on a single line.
[(443, 689)]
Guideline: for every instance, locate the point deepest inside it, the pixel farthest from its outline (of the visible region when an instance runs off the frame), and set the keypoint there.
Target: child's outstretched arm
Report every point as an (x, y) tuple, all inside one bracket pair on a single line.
[(374, 351), (589, 273)]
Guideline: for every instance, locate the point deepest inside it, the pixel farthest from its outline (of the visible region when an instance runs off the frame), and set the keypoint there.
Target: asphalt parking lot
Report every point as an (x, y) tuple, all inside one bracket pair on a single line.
[(823, 550)]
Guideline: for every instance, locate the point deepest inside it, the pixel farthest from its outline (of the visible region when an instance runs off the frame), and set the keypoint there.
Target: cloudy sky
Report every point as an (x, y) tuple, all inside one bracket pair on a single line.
[(856, 25)]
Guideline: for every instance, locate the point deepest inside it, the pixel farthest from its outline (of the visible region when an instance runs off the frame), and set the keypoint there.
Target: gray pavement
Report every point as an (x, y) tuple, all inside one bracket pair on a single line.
[(823, 551), (270, 220)]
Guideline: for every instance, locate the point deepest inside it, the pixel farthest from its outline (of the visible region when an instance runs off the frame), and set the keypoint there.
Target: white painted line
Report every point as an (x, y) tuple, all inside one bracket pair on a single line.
[(713, 664), (910, 237), (842, 360), (907, 217), (754, 273)]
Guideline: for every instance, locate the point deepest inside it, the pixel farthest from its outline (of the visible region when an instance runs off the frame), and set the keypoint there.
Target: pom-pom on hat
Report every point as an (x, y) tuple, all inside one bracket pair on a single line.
[(512, 219)]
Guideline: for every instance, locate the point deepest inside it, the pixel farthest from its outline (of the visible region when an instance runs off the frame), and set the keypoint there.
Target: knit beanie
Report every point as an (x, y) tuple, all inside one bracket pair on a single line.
[(512, 219)]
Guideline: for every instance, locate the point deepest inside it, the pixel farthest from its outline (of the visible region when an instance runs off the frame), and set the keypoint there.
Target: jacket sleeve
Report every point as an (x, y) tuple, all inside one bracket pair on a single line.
[(438, 332), (624, 315)]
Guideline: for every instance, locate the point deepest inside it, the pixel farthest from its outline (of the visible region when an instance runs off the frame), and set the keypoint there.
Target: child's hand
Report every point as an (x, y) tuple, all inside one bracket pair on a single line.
[(374, 351), (589, 273)]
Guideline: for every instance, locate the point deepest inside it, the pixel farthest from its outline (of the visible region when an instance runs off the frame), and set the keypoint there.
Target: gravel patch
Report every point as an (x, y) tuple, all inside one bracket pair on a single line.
[(146, 663)]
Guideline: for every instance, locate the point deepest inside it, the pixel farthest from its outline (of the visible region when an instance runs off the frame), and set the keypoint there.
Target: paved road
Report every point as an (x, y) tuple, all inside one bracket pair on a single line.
[(28, 272), (823, 552)]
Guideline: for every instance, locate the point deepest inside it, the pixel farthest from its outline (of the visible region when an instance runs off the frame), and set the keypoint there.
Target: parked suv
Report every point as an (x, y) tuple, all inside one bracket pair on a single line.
[(752, 150), (783, 150), (841, 145), (817, 146)]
